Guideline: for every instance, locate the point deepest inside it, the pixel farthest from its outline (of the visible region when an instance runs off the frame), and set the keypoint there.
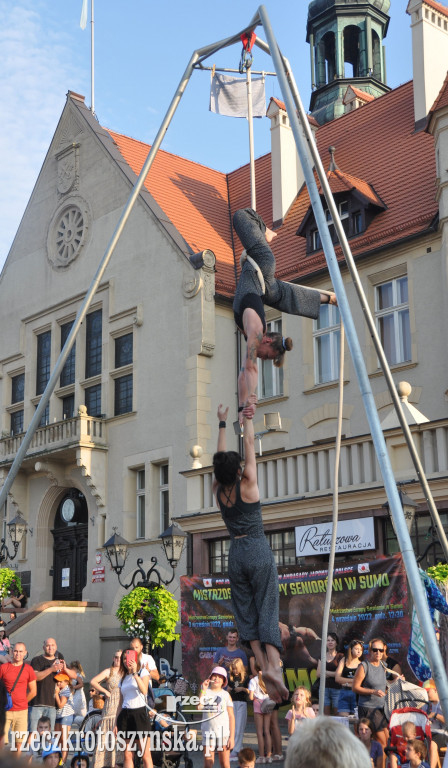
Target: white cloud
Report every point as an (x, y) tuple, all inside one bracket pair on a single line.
[(37, 66)]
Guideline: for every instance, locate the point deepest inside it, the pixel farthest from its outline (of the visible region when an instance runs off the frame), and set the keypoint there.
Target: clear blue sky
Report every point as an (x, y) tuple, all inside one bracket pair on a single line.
[(142, 48)]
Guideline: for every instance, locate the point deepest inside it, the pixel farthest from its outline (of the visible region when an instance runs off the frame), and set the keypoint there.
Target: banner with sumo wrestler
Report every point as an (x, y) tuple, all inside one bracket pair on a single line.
[(368, 599)]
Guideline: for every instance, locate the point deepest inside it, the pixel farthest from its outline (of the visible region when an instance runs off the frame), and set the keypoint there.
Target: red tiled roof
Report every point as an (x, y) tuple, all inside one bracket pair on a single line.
[(193, 197), (442, 98), (377, 144), (363, 95), (345, 182), (437, 6)]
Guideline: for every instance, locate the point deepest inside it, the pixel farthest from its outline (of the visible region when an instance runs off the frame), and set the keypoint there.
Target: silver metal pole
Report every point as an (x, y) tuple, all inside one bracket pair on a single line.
[(204, 52), (92, 62), (236, 71), (95, 282), (250, 121), (435, 516), (403, 537)]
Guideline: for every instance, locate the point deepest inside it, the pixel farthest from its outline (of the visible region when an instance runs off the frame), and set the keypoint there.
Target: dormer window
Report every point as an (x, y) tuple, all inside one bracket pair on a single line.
[(357, 204)]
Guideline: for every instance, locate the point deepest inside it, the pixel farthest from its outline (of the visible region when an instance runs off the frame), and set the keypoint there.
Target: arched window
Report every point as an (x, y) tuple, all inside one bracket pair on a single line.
[(351, 51)]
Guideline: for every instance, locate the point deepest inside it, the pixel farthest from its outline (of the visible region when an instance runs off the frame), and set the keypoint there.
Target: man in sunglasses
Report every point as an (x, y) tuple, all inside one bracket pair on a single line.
[(370, 685)]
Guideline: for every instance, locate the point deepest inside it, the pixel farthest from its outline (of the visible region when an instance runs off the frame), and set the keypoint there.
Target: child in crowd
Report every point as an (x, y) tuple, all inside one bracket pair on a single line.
[(51, 756), (435, 714), (262, 719), (301, 708), (5, 645), (410, 736), (218, 722), (237, 687), (80, 760), (65, 712), (315, 706), (43, 740), (246, 758), (416, 753), (367, 734)]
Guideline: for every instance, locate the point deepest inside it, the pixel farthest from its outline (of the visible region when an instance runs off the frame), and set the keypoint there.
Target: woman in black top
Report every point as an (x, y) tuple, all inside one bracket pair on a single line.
[(332, 688), (344, 676), (252, 570)]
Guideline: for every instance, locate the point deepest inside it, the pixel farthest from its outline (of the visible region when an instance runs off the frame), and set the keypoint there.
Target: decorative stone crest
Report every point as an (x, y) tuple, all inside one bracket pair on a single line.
[(68, 173)]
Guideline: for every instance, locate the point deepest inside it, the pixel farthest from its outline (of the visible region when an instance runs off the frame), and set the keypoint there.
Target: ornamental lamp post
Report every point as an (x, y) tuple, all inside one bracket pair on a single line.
[(17, 529), (173, 540)]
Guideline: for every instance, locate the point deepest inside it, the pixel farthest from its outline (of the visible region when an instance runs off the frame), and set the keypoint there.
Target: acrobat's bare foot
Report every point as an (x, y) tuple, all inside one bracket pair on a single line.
[(275, 686), (269, 235)]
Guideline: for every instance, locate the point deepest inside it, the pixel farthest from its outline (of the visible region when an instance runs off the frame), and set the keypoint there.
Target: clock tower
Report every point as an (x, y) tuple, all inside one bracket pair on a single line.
[(346, 40)]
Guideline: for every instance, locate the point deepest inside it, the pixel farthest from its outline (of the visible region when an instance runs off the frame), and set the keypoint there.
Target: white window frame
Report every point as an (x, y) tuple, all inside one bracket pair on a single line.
[(396, 310), (267, 369), (327, 324), (140, 503), (343, 214), (164, 493)]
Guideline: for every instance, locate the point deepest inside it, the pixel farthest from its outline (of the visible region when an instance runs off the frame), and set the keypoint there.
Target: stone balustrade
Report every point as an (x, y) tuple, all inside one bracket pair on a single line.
[(80, 430), (308, 471)]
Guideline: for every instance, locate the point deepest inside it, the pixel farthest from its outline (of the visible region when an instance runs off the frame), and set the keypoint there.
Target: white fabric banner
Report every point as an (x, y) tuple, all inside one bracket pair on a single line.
[(228, 96), (83, 20)]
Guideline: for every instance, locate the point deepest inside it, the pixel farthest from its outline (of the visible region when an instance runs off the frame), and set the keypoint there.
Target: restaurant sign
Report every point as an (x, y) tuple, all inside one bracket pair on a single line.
[(352, 535)]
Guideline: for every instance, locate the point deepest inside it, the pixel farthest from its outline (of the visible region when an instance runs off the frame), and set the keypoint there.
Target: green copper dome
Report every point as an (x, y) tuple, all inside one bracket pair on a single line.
[(318, 6)]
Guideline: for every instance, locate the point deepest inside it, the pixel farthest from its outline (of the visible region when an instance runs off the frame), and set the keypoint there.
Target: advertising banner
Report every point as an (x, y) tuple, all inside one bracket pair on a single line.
[(368, 599)]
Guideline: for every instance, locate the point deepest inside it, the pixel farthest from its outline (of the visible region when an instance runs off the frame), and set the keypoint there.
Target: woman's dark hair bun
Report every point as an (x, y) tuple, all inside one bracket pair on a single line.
[(288, 344)]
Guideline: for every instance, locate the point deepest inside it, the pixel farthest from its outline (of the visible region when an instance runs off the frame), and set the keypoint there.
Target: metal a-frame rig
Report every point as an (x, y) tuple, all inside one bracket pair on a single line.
[(309, 157)]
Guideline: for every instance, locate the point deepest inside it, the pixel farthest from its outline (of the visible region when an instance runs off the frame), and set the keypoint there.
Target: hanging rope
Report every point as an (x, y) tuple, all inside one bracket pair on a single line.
[(329, 592)]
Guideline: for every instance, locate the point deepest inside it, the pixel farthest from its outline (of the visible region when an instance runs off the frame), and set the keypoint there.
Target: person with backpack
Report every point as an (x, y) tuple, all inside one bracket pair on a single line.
[(20, 682)]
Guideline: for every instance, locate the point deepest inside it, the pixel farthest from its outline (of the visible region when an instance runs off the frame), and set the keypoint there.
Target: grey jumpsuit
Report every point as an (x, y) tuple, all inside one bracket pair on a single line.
[(252, 572), (287, 297)]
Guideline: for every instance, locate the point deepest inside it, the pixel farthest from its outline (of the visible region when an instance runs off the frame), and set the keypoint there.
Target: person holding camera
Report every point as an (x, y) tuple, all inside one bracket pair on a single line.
[(51, 662)]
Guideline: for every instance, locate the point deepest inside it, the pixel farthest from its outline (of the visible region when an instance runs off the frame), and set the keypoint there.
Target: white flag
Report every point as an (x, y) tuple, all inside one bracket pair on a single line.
[(228, 96), (83, 20)]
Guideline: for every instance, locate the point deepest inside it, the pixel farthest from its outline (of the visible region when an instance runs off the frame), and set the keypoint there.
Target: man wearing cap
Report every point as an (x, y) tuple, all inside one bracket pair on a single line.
[(20, 681), (48, 664)]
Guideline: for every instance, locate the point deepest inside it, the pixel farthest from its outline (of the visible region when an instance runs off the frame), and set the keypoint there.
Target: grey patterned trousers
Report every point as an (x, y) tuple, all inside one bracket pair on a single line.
[(255, 594), (286, 297)]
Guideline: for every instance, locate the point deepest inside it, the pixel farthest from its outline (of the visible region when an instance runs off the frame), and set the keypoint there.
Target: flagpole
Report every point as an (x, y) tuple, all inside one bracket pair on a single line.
[(250, 120), (92, 60)]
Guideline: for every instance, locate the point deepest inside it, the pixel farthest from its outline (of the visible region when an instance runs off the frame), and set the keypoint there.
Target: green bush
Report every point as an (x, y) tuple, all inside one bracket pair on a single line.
[(10, 583), (151, 614), (438, 572)]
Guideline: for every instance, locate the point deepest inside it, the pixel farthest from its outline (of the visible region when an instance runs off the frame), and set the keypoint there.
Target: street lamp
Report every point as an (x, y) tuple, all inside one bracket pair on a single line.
[(17, 529), (116, 547), (408, 506)]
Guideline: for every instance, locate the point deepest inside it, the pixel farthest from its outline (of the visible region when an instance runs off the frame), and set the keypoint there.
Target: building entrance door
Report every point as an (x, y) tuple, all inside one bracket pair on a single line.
[(70, 536)]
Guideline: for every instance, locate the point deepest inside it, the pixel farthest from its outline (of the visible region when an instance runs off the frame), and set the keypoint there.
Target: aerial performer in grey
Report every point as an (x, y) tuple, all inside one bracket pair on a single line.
[(256, 287)]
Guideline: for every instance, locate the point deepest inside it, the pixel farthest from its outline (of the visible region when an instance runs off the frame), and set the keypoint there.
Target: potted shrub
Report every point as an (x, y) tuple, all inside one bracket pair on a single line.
[(151, 614)]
